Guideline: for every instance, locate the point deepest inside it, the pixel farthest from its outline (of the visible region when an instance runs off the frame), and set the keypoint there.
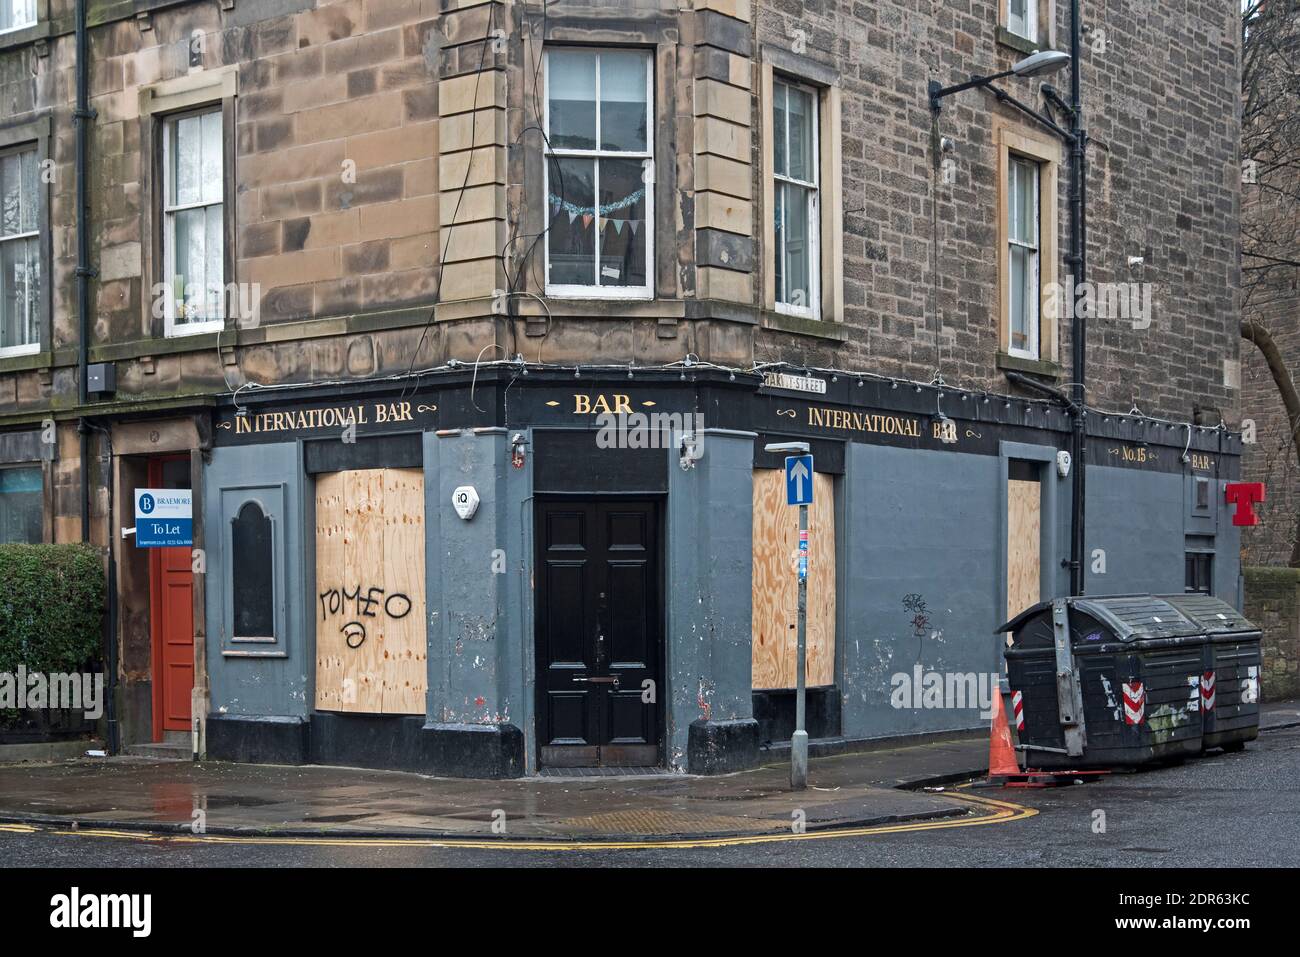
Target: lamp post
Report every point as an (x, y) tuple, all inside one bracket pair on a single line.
[(799, 740), (1038, 64)]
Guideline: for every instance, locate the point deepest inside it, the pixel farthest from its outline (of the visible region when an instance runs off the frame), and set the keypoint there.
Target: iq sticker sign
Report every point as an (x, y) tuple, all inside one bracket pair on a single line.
[(163, 517)]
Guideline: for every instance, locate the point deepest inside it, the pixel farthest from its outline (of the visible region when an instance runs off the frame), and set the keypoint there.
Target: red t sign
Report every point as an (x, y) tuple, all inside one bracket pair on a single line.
[(1244, 495)]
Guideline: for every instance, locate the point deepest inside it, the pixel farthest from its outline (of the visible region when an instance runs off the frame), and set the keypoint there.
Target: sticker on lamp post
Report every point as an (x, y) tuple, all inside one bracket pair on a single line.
[(163, 517)]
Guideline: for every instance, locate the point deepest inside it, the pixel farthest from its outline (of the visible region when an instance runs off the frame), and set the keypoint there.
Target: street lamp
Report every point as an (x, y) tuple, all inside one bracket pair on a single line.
[(1038, 64), (799, 740), (1076, 137)]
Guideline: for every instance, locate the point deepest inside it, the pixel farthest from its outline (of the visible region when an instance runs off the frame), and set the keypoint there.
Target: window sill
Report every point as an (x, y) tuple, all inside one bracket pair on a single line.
[(579, 294), (25, 361), (820, 328), (1040, 367), (40, 30), (1016, 42), (186, 330)]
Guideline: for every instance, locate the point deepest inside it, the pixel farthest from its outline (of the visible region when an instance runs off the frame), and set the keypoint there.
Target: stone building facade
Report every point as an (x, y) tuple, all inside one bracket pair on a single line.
[(412, 294)]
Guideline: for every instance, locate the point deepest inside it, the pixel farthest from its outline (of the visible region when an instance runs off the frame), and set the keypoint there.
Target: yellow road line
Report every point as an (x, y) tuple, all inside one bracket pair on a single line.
[(998, 812)]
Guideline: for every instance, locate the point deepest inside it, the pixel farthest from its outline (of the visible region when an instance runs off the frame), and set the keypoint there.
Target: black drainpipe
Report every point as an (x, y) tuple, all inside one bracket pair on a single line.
[(1078, 262), (1029, 382), (82, 115), (111, 737)]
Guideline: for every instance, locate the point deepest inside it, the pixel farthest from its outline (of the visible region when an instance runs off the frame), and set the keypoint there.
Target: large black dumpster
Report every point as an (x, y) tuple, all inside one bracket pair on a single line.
[(1105, 682), (1230, 682)]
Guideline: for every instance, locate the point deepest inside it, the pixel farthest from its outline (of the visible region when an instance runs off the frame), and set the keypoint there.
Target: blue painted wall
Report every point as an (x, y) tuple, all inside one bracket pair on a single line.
[(1137, 518), (709, 555), (476, 632), (263, 685), (927, 524)]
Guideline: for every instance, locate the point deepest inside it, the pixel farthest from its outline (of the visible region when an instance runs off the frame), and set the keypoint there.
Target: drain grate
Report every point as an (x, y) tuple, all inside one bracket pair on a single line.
[(653, 822), (602, 772)]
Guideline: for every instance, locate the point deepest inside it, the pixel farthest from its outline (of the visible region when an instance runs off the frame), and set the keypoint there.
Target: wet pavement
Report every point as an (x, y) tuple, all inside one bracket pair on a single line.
[(861, 789), (227, 798), (1237, 810)]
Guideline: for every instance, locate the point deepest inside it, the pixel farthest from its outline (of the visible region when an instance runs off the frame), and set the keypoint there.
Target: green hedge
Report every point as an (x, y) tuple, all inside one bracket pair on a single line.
[(51, 607)]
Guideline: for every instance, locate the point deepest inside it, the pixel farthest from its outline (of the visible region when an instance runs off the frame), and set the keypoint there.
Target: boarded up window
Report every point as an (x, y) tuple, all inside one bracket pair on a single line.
[(776, 583), (371, 644), (1024, 537)]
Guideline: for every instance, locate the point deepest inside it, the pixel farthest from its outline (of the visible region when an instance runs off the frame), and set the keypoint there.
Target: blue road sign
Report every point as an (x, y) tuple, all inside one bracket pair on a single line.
[(798, 480)]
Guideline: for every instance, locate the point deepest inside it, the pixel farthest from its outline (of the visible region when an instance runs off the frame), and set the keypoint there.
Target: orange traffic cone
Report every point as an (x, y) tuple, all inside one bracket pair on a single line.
[(1002, 756)]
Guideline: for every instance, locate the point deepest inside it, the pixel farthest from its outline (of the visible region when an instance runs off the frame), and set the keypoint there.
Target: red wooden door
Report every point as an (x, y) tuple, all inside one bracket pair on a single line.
[(171, 612)]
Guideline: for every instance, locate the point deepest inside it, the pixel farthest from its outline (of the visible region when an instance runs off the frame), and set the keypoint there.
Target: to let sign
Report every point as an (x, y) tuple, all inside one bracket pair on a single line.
[(163, 517)]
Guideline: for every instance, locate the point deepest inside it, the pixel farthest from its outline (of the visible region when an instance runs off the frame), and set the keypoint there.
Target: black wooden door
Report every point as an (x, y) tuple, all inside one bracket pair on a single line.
[(599, 633)]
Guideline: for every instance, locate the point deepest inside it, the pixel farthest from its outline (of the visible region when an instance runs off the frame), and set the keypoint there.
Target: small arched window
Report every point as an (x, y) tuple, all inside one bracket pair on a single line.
[(253, 573)]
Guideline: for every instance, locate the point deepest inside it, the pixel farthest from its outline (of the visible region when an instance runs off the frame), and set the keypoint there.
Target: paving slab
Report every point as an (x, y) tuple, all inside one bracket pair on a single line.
[(275, 800), (849, 789)]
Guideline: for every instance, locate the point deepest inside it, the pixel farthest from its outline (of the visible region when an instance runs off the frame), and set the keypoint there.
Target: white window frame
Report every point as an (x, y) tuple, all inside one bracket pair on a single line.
[(1034, 294), (30, 6), (28, 348), (598, 291), (813, 310), (173, 328), (1030, 24)]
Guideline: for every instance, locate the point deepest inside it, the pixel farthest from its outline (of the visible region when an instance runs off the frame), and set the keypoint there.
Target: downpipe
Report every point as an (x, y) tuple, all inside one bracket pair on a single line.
[(1079, 329), (112, 742), (83, 115)]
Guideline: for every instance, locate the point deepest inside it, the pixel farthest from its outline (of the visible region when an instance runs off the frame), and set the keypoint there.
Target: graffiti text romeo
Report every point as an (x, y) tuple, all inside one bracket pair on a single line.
[(355, 604)]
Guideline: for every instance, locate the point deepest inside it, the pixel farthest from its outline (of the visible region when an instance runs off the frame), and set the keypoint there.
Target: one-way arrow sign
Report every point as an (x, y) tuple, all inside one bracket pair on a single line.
[(798, 480)]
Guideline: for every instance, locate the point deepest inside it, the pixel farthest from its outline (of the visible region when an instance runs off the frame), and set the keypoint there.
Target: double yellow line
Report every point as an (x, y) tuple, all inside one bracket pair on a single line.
[(995, 812)]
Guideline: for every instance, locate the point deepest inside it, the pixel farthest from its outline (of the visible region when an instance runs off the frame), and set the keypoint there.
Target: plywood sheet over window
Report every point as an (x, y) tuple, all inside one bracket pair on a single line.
[(371, 644), (1024, 545), (776, 584)]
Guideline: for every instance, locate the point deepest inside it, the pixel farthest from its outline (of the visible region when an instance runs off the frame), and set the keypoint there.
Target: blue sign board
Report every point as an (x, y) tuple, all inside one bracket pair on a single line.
[(799, 480), (163, 517)]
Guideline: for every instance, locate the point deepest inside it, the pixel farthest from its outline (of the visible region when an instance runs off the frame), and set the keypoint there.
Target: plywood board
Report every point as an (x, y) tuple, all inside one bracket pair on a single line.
[(331, 545), (776, 583), (1024, 545), (405, 642), (371, 644)]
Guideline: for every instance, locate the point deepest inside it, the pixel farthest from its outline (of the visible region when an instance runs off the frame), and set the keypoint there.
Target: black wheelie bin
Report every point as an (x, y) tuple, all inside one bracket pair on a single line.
[(1105, 682), (1230, 681)]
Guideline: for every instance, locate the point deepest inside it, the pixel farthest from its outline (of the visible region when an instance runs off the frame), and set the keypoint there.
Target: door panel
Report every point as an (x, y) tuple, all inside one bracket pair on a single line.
[(626, 644), (171, 615), (599, 637), (567, 612), (176, 607)]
